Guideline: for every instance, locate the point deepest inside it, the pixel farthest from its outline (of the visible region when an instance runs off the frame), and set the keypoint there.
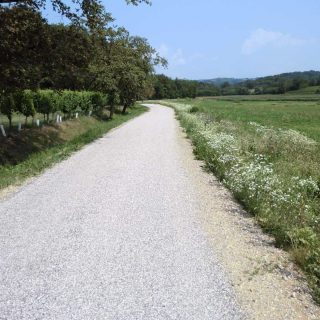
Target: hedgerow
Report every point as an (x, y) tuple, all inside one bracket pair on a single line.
[(46, 102)]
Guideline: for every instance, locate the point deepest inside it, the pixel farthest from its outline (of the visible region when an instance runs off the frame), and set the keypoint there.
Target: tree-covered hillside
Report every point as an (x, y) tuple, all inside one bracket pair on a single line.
[(167, 88), (277, 84)]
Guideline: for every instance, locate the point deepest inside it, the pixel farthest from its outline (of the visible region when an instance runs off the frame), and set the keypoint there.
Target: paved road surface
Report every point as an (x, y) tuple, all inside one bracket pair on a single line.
[(112, 233)]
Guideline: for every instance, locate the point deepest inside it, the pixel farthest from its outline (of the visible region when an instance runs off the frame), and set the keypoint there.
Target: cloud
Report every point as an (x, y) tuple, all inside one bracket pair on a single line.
[(175, 57), (178, 58), (261, 38), (163, 50)]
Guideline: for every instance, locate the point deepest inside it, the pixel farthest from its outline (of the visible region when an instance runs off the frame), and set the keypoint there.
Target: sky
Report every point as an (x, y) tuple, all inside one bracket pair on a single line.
[(204, 39)]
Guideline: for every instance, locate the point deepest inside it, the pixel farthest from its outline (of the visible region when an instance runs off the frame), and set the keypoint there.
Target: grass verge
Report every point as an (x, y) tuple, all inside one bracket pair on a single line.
[(41, 149), (274, 172)]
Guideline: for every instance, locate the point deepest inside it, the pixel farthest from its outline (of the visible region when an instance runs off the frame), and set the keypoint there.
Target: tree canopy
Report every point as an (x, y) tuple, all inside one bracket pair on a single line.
[(35, 54), (91, 13)]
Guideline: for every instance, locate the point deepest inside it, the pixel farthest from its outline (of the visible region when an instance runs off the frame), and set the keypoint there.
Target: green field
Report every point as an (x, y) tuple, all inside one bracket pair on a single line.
[(267, 152), (303, 116)]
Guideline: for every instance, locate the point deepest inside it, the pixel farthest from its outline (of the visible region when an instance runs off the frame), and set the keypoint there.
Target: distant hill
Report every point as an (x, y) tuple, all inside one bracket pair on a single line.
[(276, 84), (219, 81), (307, 76), (284, 82), (303, 83)]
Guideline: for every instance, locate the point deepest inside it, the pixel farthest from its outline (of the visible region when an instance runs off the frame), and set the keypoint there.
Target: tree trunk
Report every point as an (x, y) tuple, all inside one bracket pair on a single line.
[(10, 121), (124, 110), (26, 121), (112, 109)]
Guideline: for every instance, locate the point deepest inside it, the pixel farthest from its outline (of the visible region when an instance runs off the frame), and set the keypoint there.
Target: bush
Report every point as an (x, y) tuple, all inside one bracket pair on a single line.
[(26, 104), (98, 101), (48, 101), (45, 102), (85, 103), (194, 110), (68, 102)]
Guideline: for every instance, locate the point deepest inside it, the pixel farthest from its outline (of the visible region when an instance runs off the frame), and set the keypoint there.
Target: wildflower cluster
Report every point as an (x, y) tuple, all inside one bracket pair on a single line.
[(284, 138), (250, 176)]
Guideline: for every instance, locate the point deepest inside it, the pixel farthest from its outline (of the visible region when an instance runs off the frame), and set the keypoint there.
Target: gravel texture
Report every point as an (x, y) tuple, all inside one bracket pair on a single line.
[(114, 232)]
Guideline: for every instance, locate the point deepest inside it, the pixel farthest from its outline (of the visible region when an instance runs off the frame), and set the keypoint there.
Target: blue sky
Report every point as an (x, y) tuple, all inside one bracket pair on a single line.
[(227, 38)]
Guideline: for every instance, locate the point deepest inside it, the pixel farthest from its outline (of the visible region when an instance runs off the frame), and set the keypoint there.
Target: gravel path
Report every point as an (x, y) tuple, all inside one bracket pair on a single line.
[(113, 232)]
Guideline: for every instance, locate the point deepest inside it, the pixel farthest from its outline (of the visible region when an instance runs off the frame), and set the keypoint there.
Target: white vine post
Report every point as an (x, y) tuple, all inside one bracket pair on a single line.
[(19, 126), (2, 130), (38, 122), (77, 115), (58, 118), (90, 112)]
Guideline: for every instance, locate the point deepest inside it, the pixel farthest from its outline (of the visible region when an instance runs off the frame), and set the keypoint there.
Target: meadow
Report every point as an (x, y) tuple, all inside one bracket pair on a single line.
[(303, 116), (267, 152)]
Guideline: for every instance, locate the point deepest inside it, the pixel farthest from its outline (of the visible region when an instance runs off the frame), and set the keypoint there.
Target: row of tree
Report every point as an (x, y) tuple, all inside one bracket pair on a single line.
[(167, 88), (87, 54), (46, 102)]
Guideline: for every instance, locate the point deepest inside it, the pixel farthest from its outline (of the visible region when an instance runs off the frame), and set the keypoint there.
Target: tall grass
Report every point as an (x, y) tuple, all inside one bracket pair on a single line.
[(273, 172)]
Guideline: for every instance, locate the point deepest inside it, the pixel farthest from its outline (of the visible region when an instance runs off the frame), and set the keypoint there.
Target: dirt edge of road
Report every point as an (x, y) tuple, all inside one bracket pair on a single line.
[(268, 285)]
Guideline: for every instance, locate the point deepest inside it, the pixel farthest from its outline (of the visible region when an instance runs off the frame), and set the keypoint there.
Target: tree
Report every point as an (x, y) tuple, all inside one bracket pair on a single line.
[(225, 85), (23, 44), (282, 87), (122, 67), (33, 53), (85, 12), (45, 102), (249, 84), (296, 84), (26, 106), (8, 107), (98, 102), (131, 85), (71, 49)]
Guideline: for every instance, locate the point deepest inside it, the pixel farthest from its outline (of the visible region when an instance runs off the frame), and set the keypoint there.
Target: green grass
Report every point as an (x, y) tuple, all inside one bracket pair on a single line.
[(267, 153), (268, 97), (306, 90), (43, 148), (303, 116)]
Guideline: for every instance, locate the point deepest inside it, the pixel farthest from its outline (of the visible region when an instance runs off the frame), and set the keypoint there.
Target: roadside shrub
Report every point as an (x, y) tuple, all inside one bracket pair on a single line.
[(26, 104), (85, 104), (49, 101), (45, 102), (8, 106), (194, 110), (69, 102), (98, 101)]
